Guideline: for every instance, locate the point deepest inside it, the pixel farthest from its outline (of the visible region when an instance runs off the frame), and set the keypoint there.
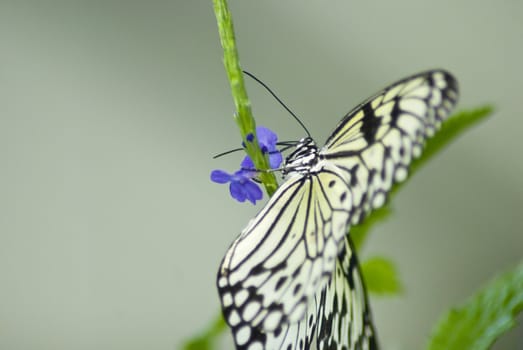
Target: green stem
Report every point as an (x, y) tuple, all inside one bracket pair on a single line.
[(244, 118)]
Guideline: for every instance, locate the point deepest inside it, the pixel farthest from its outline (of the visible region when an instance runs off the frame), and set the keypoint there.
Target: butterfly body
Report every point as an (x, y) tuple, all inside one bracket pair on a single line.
[(303, 158), (291, 279)]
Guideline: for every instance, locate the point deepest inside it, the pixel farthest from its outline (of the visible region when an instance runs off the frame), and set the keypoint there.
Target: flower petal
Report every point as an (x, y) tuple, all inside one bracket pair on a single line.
[(266, 138), (252, 191), (220, 176), (275, 159), (247, 164), (237, 192)]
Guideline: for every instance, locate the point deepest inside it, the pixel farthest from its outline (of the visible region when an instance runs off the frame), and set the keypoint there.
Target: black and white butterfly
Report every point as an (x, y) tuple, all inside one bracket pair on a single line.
[(291, 279)]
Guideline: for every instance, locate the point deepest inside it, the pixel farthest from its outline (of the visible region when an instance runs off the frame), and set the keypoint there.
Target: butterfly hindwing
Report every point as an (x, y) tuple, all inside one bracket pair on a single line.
[(337, 318), (344, 318)]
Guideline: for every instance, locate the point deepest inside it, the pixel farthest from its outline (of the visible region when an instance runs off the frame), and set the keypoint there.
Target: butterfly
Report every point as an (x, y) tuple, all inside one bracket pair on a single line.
[(291, 279)]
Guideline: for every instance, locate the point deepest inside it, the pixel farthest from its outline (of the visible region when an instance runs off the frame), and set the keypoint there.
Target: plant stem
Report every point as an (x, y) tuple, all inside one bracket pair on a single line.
[(243, 118)]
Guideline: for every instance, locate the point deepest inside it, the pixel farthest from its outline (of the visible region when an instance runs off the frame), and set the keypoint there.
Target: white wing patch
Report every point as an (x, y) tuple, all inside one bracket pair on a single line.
[(291, 280)]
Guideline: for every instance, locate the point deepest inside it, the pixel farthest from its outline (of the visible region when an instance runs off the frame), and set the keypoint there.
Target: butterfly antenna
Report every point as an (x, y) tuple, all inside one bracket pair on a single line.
[(279, 101), (286, 145), (227, 152)]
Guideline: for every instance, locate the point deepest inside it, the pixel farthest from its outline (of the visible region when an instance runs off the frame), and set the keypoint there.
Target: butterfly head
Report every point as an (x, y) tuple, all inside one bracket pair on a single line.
[(303, 158)]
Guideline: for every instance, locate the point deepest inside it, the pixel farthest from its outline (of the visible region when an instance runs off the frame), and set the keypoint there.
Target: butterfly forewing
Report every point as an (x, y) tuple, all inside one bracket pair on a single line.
[(290, 280), (285, 255), (375, 143)]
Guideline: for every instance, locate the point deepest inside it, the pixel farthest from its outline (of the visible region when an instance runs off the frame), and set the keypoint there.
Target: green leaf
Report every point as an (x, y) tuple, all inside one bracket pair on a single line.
[(450, 129), (381, 276), (483, 318), (359, 233), (207, 339)]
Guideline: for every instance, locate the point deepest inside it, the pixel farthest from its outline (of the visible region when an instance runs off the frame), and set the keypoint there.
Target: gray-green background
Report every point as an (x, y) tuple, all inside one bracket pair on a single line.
[(110, 111)]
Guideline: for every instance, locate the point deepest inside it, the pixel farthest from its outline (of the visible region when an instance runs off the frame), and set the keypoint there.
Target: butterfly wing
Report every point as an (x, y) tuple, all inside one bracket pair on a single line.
[(290, 336), (344, 319), (374, 143), (337, 318), (270, 274)]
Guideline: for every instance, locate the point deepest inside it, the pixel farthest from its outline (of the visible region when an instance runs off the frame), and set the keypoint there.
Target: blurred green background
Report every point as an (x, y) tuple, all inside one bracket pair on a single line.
[(111, 232)]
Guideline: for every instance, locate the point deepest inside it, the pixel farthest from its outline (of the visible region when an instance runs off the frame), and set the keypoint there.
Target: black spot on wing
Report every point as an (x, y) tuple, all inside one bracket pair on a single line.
[(296, 272), (280, 283), (354, 178), (296, 289), (370, 123), (352, 266), (277, 332)]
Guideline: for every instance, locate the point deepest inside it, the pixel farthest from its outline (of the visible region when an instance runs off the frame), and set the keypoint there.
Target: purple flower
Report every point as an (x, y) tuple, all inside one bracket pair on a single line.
[(241, 185), (267, 140)]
